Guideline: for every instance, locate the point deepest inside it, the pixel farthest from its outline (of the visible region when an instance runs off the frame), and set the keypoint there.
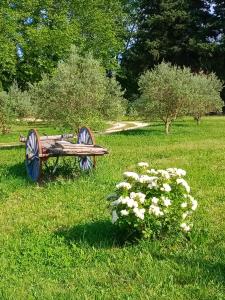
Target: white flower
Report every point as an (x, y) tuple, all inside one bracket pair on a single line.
[(138, 196), (167, 202), (139, 213), (164, 174), (166, 187), (123, 185), (152, 171), (155, 210), (131, 175), (128, 201), (184, 215), (181, 172), (147, 179), (194, 204), (124, 200), (152, 185), (124, 212), (155, 200), (185, 227), (184, 204), (176, 172), (114, 216), (184, 184), (143, 164)]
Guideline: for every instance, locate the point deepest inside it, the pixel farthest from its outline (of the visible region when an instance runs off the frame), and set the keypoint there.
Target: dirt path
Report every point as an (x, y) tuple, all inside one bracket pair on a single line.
[(126, 125)]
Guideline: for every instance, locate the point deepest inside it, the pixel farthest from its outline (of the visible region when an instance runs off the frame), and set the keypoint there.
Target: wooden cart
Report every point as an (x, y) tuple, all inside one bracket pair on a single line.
[(40, 148)]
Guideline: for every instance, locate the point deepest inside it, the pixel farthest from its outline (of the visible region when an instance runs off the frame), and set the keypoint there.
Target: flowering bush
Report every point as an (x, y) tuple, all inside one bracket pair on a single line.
[(152, 203)]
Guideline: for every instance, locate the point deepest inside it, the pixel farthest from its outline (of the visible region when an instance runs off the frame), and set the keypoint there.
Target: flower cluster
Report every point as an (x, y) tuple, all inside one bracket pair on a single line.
[(153, 201)]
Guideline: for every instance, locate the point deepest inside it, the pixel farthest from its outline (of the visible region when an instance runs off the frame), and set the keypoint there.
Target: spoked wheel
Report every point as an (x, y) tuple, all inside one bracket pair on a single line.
[(33, 150), (85, 136)]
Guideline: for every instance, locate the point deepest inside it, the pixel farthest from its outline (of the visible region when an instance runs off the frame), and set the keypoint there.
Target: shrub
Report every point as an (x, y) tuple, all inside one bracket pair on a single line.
[(153, 203), (205, 96), (14, 104), (78, 93), (20, 102), (113, 105), (165, 93)]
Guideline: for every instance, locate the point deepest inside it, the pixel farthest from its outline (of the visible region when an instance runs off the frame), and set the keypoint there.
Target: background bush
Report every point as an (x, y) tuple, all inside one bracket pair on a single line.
[(170, 91), (14, 104), (78, 93), (206, 89)]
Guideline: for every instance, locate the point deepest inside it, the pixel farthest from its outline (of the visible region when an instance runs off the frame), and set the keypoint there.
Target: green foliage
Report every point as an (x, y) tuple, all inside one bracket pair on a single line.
[(78, 93), (5, 112), (165, 92), (185, 33), (168, 92), (205, 96), (14, 104), (36, 35), (113, 105), (20, 102)]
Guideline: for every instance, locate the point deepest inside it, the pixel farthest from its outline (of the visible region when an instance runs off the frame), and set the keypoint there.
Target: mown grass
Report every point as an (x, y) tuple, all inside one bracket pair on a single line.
[(57, 241)]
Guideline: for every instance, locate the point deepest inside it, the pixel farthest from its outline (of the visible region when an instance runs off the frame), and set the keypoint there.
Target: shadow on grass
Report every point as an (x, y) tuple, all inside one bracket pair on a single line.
[(98, 234), (65, 171), (140, 132), (18, 170)]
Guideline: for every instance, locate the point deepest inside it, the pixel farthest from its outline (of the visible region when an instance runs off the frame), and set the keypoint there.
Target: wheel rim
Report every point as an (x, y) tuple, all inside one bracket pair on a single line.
[(33, 161), (86, 137)]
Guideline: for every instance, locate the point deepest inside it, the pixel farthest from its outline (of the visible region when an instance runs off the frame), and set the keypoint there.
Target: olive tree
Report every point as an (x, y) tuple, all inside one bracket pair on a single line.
[(113, 105), (20, 102), (165, 92), (205, 98), (78, 93)]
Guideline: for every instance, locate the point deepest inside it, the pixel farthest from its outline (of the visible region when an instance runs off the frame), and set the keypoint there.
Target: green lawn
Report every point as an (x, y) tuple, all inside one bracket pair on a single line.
[(57, 241)]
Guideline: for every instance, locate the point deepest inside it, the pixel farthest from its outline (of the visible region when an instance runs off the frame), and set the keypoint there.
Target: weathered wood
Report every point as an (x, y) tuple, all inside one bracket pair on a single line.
[(51, 137), (74, 146), (48, 144), (78, 151)]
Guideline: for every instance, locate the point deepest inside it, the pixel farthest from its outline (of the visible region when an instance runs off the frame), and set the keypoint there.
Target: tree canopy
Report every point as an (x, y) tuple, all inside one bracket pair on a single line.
[(36, 35), (185, 33), (168, 92), (78, 93)]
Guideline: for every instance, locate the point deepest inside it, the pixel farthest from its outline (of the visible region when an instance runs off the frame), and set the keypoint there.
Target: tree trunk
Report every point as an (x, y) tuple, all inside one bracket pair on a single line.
[(198, 120), (167, 126)]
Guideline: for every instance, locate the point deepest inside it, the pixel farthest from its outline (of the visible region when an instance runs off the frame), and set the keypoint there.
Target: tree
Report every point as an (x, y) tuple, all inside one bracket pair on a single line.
[(180, 32), (165, 93), (205, 96), (36, 35), (114, 105), (75, 95), (5, 112), (14, 104), (20, 102)]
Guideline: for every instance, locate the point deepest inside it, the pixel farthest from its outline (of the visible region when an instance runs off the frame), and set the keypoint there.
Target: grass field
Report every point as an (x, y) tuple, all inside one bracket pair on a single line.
[(57, 241)]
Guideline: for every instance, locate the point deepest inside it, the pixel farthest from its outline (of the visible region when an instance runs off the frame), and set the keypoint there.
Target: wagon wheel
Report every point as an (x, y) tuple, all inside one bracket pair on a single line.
[(33, 151), (85, 136)]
